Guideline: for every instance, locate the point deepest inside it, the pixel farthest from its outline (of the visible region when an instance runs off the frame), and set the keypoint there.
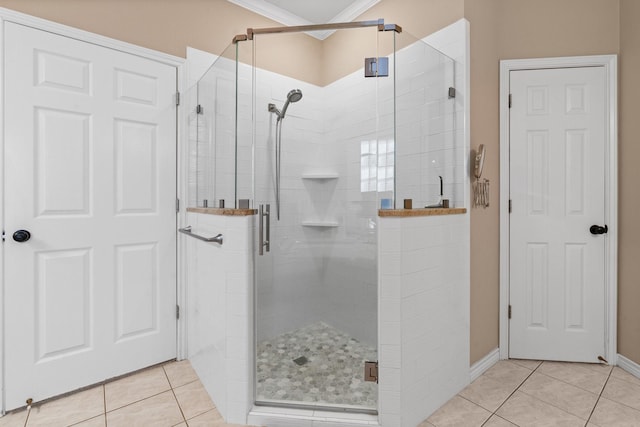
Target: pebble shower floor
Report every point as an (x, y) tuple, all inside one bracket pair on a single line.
[(333, 373)]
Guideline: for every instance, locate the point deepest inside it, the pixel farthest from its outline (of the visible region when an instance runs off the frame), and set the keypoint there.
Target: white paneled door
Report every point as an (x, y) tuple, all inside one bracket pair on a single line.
[(90, 173), (557, 187)]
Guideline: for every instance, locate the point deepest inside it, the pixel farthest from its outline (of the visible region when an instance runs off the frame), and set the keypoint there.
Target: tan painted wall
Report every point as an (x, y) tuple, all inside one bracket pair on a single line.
[(172, 25), (485, 223), (629, 177)]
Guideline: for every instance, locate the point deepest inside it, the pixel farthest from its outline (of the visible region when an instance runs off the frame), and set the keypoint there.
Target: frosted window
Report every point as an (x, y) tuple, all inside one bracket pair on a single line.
[(377, 165)]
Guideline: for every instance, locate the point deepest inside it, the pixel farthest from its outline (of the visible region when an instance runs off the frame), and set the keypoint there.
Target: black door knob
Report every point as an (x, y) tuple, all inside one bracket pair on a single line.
[(597, 229), (21, 236)]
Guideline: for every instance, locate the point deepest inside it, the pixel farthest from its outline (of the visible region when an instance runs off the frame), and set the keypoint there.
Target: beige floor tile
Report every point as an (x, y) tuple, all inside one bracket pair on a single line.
[(496, 421), (601, 368), (609, 413), (459, 412), (529, 364), (488, 392), (135, 387), (210, 418), (100, 421), (157, 411), (180, 373), (14, 419), (587, 376), (508, 373), (567, 397), (68, 410), (193, 399), (526, 411), (623, 392), (425, 423), (624, 375)]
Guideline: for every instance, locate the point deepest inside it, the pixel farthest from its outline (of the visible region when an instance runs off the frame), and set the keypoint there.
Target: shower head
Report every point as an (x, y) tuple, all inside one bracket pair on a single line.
[(294, 96)]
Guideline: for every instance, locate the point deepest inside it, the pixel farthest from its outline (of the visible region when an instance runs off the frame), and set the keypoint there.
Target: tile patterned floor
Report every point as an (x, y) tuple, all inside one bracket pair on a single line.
[(331, 375), (164, 396), (539, 394), (511, 393)]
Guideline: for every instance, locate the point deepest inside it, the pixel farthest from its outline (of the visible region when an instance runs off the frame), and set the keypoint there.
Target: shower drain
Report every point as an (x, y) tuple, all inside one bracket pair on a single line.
[(302, 360)]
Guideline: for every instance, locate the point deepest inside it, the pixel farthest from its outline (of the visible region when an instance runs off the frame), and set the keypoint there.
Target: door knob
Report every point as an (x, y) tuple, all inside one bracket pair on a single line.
[(21, 236), (597, 229)]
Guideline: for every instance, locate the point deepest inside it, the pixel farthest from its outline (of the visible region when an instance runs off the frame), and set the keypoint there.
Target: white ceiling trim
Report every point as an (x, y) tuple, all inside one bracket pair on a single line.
[(290, 19)]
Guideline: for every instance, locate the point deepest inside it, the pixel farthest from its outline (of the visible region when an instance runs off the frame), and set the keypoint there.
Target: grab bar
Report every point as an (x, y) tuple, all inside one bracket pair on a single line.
[(188, 232)]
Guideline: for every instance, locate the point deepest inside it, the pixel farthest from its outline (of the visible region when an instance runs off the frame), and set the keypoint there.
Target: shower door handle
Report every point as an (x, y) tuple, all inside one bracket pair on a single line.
[(264, 213)]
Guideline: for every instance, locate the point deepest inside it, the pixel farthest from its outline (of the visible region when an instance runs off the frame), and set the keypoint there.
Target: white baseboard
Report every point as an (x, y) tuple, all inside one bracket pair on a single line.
[(483, 364), (628, 365)]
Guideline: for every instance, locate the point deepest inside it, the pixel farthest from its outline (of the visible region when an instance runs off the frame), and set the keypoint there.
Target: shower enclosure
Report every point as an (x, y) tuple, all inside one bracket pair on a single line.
[(316, 138)]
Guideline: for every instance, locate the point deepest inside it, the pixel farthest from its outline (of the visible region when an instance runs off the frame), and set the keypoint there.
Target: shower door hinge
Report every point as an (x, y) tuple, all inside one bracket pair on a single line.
[(376, 67), (509, 205), (509, 100), (177, 205), (199, 109), (509, 311), (452, 92), (371, 371), (177, 311), (177, 98)]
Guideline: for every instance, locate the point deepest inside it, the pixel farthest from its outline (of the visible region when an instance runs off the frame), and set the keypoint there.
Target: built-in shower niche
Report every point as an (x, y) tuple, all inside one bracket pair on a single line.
[(320, 185)]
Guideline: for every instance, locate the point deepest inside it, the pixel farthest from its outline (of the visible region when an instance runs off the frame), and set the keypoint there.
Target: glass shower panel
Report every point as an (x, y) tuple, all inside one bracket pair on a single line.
[(316, 290), (213, 135), (426, 126), (244, 115)]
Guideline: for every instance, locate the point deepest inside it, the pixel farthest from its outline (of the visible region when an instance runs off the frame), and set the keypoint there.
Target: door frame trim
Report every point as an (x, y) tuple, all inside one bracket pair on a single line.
[(8, 15), (609, 62)]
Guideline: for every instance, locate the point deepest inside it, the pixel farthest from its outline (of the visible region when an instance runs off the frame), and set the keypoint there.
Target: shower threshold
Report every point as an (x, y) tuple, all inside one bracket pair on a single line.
[(317, 367)]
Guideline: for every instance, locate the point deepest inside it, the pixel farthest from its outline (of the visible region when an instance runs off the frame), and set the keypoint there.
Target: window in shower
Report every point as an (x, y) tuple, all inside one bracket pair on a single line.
[(377, 160)]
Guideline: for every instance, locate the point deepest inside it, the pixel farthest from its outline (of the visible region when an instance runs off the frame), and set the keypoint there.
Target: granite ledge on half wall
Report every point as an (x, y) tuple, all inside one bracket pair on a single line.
[(400, 213), (224, 211)]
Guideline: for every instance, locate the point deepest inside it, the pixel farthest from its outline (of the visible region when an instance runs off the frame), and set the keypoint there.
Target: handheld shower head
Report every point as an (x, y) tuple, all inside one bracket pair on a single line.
[(294, 96)]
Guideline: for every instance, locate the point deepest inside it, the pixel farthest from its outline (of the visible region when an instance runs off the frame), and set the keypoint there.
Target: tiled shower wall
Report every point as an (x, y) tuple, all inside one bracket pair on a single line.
[(326, 132)]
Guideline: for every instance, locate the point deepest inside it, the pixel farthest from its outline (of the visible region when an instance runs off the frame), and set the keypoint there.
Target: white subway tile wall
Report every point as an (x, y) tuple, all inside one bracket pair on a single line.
[(220, 311)]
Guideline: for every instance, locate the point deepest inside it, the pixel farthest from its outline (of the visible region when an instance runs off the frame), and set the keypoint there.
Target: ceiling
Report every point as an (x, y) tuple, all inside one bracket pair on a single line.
[(306, 12)]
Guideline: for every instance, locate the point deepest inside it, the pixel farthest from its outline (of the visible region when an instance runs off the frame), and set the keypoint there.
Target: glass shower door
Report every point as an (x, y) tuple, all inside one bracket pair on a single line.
[(316, 288)]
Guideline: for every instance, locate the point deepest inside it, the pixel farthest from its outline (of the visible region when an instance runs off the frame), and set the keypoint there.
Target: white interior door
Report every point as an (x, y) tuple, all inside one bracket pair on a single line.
[(90, 172), (557, 183)]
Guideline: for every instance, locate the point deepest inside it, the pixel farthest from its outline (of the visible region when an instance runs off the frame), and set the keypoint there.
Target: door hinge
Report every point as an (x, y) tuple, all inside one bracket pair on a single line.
[(177, 98), (509, 311), (177, 311), (509, 100), (199, 109), (510, 205), (3, 235), (452, 92), (371, 371), (177, 205)]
